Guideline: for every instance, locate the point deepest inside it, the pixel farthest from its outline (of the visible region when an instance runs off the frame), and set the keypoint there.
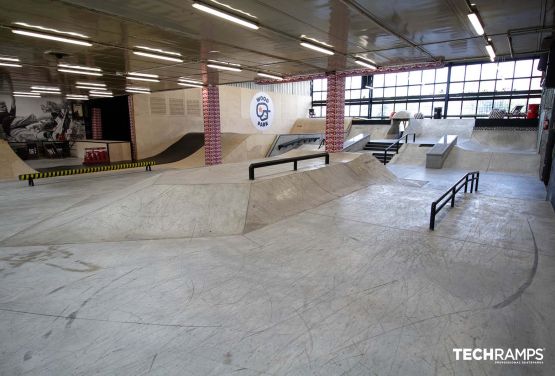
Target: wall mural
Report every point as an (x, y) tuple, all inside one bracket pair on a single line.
[(38, 119)]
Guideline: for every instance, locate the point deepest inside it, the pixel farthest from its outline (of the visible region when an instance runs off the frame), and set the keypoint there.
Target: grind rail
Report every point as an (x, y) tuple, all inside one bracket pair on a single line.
[(293, 160), (472, 177), (397, 145)]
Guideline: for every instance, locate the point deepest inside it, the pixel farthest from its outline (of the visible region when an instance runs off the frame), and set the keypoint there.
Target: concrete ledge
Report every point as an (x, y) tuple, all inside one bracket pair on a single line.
[(438, 154)]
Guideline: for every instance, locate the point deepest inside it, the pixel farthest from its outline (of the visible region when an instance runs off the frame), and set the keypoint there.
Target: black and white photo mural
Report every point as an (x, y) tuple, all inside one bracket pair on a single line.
[(46, 118)]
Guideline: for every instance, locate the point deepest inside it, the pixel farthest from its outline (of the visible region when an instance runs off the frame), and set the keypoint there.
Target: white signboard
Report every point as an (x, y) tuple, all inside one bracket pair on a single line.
[(262, 111)]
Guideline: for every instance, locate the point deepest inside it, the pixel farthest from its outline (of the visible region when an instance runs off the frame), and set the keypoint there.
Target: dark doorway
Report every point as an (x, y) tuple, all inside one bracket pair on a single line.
[(115, 117)]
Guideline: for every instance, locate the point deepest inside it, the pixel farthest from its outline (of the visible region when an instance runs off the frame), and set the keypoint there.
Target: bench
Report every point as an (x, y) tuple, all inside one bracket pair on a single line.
[(85, 170), (438, 154)]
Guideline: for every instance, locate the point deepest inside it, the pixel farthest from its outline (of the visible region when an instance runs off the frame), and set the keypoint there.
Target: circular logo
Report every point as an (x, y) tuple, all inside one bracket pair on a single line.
[(262, 111)]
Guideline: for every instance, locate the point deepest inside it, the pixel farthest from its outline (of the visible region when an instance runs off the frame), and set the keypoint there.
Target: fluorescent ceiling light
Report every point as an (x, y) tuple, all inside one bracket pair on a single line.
[(475, 21), (77, 97), (491, 52), (48, 29), (79, 67), (51, 37), (183, 79), (90, 83), (24, 93), (234, 9), (159, 50), (318, 42), (142, 79), (46, 88), (100, 92), (317, 48), (223, 62), (27, 95), (270, 76), (188, 85), (223, 67), (156, 56), (138, 88), (365, 64), (73, 71), (90, 87), (10, 65), (137, 91), (14, 59), (102, 95), (143, 75), (225, 16), (45, 92)]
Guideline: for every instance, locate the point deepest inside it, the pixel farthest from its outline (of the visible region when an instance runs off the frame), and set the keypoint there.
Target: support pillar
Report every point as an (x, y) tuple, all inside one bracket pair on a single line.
[(335, 113), (96, 123), (212, 134), (132, 128)]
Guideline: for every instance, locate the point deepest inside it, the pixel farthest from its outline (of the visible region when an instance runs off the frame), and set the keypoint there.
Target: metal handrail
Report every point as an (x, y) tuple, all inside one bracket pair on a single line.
[(286, 160), (452, 192), (397, 143)]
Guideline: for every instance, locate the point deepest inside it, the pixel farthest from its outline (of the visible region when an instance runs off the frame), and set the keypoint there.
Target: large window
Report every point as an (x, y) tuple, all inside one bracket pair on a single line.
[(471, 90)]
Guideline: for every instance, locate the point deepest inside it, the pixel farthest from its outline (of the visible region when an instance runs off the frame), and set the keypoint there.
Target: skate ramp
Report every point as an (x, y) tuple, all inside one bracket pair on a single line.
[(430, 130), (181, 149), (376, 131), (210, 201), (10, 164), (236, 147), (502, 140)]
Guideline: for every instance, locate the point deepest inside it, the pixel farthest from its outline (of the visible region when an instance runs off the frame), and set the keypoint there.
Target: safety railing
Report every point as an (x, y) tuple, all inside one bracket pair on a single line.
[(397, 144), (472, 177), (293, 160)]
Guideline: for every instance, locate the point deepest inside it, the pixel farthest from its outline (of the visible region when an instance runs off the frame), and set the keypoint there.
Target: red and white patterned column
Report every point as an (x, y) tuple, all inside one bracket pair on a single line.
[(335, 113), (212, 134), (96, 120), (132, 127)]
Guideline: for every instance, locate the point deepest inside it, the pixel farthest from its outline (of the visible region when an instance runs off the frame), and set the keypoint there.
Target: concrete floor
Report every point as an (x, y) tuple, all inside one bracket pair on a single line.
[(355, 286)]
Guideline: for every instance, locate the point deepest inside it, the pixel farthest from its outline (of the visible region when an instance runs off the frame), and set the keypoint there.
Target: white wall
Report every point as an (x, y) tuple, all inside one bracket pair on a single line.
[(155, 132)]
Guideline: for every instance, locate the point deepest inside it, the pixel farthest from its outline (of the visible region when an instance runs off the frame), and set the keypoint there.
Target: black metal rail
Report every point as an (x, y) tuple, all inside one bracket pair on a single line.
[(293, 160), (396, 144), (449, 196)]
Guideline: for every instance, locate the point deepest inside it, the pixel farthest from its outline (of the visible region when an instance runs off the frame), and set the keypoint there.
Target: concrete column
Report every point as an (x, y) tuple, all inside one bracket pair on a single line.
[(335, 113), (96, 122), (212, 134), (132, 127)]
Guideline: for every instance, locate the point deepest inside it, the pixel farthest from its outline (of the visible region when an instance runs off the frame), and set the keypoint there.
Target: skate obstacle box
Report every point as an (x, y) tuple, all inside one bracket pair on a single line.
[(438, 154)]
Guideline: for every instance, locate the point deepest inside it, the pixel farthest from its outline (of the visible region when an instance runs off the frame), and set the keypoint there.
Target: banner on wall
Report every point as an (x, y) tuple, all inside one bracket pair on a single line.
[(262, 111)]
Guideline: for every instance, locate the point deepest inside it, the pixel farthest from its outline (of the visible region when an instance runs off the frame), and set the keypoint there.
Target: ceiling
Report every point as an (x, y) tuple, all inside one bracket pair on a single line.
[(390, 32)]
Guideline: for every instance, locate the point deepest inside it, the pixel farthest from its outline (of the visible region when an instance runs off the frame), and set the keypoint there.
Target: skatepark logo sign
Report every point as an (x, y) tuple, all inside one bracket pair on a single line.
[(262, 111)]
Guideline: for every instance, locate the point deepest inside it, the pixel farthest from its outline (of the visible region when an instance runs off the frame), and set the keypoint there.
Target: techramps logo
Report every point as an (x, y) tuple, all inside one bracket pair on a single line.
[(262, 111), (523, 356)]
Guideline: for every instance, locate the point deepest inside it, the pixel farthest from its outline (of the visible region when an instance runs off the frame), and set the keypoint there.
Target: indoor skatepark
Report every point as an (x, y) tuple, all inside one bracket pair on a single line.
[(252, 225)]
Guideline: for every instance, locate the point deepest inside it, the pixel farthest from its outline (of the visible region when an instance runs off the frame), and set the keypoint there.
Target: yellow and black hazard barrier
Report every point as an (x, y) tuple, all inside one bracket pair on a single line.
[(85, 170)]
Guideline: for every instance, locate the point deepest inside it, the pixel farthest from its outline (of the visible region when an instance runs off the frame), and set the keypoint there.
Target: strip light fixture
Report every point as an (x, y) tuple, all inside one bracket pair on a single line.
[(158, 50), (188, 85), (86, 87), (51, 30), (138, 90), (74, 71), (366, 63), (102, 95), (77, 97), (491, 51), (224, 67), (26, 94), (476, 23), (46, 88), (158, 56), (46, 92), (317, 48), (188, 80), (225, 16), (90, 83), (51, 37), (10, 65), (272, 76), (142, 77)]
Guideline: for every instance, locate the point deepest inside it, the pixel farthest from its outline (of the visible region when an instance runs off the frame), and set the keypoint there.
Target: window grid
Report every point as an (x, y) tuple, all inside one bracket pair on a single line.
[(472, 91)]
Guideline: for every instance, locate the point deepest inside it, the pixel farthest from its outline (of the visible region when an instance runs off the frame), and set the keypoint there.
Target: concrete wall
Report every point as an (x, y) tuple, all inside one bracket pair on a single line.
[(157, 128)]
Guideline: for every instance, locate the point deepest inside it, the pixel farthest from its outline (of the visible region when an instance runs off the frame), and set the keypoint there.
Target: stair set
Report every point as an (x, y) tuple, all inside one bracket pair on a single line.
[(377, 149)]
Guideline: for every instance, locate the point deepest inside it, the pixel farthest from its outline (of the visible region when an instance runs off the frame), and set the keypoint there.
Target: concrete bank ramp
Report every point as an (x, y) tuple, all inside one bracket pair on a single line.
[(210, 201), (430, 130), (236, 147), (10, 164), (502, 140)]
